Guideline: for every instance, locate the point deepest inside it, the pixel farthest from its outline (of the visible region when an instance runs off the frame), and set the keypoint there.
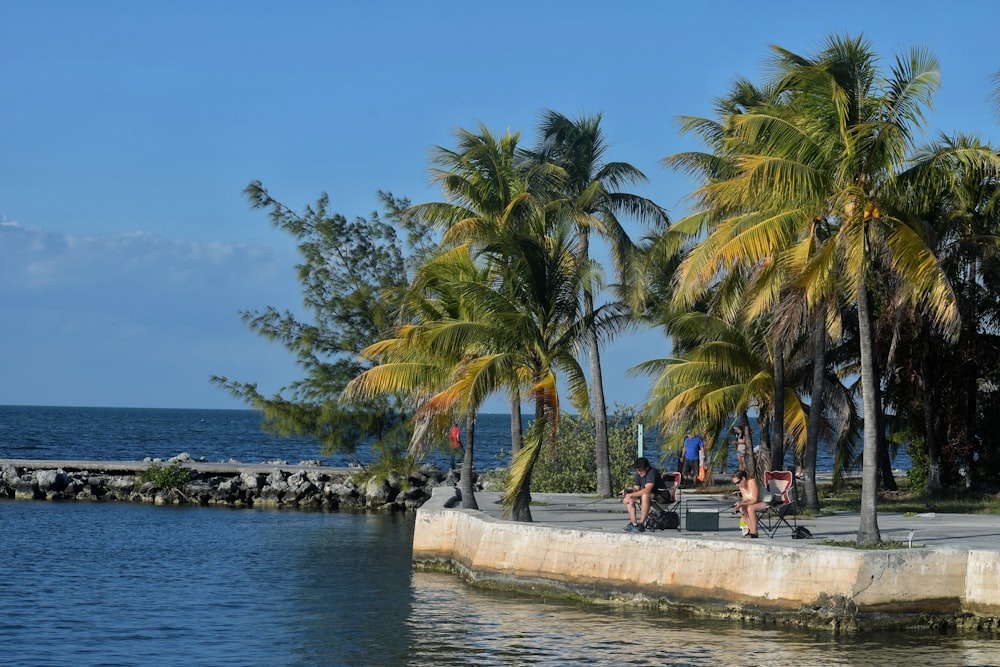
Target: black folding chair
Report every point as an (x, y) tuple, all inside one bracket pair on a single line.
[(665, 503)]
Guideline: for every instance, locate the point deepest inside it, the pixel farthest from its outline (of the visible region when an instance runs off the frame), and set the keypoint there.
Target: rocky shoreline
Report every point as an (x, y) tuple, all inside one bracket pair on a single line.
[(305, 486)]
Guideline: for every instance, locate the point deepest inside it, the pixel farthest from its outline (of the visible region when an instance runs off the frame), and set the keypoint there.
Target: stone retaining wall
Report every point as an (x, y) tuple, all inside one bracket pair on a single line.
[(838, 588)]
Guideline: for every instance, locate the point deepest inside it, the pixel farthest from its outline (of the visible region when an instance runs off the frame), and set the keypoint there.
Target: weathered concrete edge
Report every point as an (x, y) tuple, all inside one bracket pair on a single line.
[(810, 585)]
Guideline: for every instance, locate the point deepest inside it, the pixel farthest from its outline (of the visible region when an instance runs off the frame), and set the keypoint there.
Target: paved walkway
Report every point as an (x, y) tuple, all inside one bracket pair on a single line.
[(956, 531)]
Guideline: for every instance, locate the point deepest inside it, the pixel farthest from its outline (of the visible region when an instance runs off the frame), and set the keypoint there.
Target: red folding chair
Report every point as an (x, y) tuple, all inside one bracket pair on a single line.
[(780, 486)]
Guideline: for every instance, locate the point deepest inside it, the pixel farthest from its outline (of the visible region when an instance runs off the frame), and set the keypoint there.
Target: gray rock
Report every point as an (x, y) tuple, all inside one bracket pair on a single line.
[(51, 480)]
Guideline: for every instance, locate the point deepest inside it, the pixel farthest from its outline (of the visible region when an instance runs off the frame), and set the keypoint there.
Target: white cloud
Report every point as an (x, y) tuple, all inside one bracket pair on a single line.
[(126, 319)]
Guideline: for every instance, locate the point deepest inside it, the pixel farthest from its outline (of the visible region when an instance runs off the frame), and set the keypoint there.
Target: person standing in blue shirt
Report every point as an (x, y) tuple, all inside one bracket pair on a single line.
[(691, 455)]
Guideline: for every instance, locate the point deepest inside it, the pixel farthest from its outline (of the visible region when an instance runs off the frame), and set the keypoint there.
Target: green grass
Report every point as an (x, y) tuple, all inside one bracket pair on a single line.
[(847, 498), (905, 500), (881, 546)]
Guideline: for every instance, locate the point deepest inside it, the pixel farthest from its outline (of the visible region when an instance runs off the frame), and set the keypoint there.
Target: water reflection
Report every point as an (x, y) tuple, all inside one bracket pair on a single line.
[(456, 624)]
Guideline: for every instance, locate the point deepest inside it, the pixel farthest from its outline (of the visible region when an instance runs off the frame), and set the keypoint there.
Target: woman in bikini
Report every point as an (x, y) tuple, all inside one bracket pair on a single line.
[(741, 447), (750, 502)]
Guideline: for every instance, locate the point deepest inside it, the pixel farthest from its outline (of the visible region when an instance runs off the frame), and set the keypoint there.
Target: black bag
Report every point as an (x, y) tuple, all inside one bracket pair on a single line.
[(801, 533), (663, 520)]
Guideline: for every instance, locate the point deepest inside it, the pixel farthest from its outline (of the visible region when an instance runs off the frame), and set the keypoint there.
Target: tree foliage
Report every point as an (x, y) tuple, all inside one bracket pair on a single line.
[(354, 274)]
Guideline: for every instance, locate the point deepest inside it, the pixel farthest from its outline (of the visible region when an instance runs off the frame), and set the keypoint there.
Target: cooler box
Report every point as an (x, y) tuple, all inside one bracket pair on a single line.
[(702, 519)]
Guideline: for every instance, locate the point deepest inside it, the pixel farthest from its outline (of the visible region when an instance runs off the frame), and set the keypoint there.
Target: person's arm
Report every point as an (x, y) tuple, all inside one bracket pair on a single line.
[(638, 491), (630, 489)]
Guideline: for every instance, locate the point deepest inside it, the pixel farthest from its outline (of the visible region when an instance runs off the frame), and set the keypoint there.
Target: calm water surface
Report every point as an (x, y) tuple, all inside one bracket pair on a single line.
[(86, 583), (119, 584)]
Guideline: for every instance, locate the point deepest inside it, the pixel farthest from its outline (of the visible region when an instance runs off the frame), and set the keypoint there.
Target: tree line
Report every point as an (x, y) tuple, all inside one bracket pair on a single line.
[(835, 277)]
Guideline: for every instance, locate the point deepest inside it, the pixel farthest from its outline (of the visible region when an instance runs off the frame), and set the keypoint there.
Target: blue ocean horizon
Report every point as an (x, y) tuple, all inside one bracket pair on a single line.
[(222, 435)]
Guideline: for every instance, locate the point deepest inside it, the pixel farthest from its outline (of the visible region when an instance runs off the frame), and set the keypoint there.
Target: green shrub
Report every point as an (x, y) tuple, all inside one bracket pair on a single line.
[(919, 463), (172, 476), (392, 459), (570, 466)]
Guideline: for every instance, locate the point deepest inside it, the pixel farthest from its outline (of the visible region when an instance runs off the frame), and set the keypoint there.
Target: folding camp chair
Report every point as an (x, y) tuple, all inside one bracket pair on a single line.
[(780, 485), (663, 506)]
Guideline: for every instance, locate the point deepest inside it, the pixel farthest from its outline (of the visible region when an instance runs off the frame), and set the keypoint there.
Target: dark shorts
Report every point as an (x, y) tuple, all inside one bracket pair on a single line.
[(690, 468)]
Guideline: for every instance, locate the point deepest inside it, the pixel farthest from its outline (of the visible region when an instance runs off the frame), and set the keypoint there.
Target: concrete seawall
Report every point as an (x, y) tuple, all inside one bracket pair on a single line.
[(807, 584)]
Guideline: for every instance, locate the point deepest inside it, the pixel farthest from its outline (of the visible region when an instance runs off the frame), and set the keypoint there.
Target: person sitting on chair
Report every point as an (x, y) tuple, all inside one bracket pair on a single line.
[(647, 483), (750, 501)]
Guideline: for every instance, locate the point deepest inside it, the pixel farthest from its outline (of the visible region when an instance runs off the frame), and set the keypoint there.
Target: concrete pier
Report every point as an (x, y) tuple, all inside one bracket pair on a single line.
[(576, 548)]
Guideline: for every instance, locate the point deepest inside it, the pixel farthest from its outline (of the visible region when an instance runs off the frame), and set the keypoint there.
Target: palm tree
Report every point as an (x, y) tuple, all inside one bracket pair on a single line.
[(591, 197), (720, 370), (410, 364), (833, 148), (953, 184), (487, 188), (529, 315)]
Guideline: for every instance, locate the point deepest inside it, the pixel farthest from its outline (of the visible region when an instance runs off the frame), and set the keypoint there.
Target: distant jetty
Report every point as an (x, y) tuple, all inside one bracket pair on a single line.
[(306, 485)]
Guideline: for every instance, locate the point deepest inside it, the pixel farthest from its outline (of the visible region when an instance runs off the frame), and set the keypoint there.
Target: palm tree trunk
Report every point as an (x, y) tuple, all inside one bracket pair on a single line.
[(763, 457), (516, 430), (868, 532), (815, 417), (884, 462), (933, 451), (778, 445), (521, 507), (467, 483), (602, 455), (751, 458), (602, 452)]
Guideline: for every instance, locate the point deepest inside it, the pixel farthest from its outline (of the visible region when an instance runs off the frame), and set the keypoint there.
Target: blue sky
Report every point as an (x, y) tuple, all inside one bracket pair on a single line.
[(128, 131)]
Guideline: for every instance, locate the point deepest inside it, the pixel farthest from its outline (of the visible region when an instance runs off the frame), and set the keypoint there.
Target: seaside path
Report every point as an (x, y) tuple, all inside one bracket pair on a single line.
[(581, 512)]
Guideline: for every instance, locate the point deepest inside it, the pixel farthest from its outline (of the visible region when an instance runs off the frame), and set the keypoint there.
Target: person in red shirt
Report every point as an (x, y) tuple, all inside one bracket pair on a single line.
[(455, 440)]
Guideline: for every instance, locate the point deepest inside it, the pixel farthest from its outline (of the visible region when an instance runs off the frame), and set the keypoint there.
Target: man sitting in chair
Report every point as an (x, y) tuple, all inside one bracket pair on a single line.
[(647, 484), (750, 500)]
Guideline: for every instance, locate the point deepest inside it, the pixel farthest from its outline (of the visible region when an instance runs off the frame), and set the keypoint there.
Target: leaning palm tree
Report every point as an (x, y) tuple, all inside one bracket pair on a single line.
[(488, 190), (590, 195), (544, 324), (418, 364)]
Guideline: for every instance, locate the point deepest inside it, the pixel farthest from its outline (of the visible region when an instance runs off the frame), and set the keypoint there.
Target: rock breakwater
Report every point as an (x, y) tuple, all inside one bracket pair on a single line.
[(305, 486)]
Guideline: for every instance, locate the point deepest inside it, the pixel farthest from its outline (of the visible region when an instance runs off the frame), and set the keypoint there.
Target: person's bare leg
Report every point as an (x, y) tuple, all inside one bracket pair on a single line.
[(645, 508), (752, 516)]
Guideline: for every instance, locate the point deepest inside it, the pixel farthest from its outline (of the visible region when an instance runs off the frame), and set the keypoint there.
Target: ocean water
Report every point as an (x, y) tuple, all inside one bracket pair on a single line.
[(132, 434), (117, 584)]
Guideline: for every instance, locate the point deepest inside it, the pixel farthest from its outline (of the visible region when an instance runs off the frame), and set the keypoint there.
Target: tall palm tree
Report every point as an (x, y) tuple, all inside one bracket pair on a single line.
[(833, 148), (591, 196)]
